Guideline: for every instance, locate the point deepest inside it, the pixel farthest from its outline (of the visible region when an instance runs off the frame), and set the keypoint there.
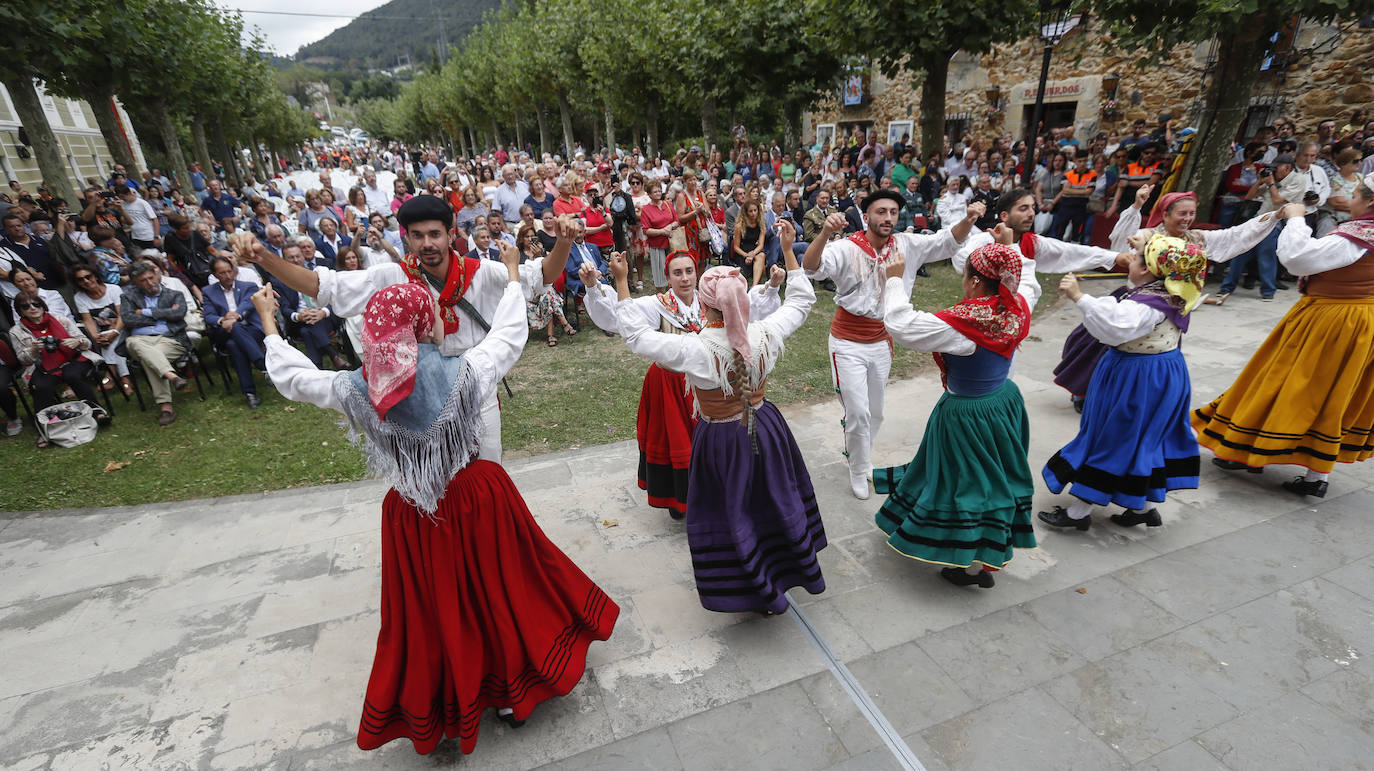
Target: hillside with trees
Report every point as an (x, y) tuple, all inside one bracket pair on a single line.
[(398, 29)]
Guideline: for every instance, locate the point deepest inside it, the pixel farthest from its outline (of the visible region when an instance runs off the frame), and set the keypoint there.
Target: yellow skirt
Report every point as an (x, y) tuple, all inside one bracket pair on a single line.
[(1307, 395)]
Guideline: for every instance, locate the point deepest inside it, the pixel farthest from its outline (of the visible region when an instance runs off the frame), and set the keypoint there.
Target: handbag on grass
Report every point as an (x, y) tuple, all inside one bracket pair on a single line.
[(68, 424)]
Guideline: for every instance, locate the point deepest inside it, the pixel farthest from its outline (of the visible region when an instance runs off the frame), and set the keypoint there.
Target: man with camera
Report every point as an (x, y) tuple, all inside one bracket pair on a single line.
[(1276, 186), (103, 210)]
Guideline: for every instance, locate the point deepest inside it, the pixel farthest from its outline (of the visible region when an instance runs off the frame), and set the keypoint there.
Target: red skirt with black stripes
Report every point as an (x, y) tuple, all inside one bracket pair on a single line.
[(479, 610), (664, 431)]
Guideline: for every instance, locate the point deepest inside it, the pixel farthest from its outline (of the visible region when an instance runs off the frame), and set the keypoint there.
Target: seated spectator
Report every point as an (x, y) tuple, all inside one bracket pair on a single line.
[(539, 199), (330, 240), (746, 243), (233, 323), (353, 325), (32, 250), (483, 246), (109, 255), (914, 207), (497, 226), (546, 307), (264, 217), (155, 320), (24, 282), (568, 201), (313, 259), (275, 240), (580, 252), (400, 194), (598, 232), (315, 210), (383, 224), (54, 352), (97, 303), (473, 207), (304, 319), (952, 204), (372, 245)]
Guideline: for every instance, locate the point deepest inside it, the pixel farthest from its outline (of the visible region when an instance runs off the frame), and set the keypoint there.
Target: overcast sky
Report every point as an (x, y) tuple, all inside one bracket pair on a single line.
[(285, 34)]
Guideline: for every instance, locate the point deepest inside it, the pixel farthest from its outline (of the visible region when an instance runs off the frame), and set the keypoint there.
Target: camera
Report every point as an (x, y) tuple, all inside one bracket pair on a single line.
[(49, 343), (1311, 197), (108, 195), (1266, 171)]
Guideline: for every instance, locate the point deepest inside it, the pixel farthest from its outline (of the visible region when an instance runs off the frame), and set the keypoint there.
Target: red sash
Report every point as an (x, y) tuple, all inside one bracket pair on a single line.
[(460, 273), (858, 329)]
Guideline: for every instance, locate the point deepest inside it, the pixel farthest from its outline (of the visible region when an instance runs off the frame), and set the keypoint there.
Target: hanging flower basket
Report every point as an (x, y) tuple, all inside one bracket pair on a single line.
[(993, 114), (1111, 109)]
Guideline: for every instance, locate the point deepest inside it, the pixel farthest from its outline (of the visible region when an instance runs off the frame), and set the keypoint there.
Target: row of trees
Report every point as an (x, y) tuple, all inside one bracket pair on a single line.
[(631, 64), (178, 66)]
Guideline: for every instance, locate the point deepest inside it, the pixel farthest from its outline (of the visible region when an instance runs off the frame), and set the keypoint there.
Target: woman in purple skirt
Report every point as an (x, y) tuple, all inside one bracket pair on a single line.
[(753, 525)]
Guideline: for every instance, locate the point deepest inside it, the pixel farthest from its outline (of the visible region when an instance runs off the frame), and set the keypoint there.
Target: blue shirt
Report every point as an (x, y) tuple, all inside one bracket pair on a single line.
[(226, 206), (198, 180), (430, 171), (158, 328), (540, 204)]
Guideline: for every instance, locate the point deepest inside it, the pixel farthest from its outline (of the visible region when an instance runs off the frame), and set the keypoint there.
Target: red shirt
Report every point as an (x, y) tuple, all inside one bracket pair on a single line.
[(596, 219), (657, 217), (575, 206)]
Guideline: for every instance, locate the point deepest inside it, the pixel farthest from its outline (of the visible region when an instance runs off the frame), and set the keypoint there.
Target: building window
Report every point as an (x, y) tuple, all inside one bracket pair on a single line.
[(49, 106), (78, 115)]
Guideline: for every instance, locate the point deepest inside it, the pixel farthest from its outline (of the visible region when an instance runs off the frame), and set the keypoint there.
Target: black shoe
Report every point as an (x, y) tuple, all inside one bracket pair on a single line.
[(677, 515), (960, 577), (1130, 518), (1060, 518), (1280, 285), (509, 719), (254, 401), (1077, 404), (1231, 465), (828, 285), (1247, 282), (922, 272), (1301, 486)]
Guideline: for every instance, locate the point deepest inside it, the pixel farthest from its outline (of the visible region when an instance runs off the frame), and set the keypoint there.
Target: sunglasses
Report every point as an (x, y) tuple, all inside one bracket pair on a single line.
[(25, 306), (85, 278)]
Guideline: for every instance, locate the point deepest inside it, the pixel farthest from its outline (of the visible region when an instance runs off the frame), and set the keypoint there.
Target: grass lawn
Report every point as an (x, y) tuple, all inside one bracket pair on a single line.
[(583, 392)]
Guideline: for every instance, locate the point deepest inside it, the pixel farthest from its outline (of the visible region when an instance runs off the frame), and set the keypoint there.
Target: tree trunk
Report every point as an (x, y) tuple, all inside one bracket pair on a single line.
[(634, 135), (651, 125), (101, 100), (199, 145), (544, 142), (596, 135), (254, 159), (565, 114), (472, 140), (495, 131), (933, 105), (519, 133), (610, 127), (53, 167), (171, 143), (791, 114), (708, 122), (1238, 61), (226, 154)]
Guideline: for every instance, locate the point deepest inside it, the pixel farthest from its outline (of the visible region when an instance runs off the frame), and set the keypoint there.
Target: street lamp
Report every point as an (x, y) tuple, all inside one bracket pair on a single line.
[(1055, 22)]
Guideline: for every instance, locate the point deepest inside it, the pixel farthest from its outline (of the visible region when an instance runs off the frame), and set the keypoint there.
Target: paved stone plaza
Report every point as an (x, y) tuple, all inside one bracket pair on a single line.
[(237, 633)]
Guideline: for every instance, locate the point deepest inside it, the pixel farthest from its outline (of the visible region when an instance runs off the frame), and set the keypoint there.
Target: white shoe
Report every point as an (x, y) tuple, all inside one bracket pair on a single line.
[(858, 484), (13, 427)]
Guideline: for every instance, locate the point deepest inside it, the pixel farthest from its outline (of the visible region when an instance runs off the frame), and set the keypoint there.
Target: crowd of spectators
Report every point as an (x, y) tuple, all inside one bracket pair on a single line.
[(137, 273)]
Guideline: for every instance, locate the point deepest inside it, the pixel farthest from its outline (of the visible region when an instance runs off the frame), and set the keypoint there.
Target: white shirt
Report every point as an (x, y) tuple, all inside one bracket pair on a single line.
[(601, 307), (508, 200), (144, 219), (1317, 182), (1116, 322), (838, 265), (378, 199), (1049, 255), (1304, 255), (1221, 245), (924, 331)]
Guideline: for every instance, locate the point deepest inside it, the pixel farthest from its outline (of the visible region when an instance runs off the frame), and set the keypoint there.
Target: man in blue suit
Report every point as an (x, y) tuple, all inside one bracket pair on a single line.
[(330, 242), (580, 250), (233, 323), (305, 320)]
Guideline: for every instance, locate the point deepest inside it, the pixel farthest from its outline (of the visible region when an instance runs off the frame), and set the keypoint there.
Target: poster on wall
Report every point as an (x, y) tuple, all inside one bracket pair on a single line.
[(825, 134), (854, 90), (899, 132)]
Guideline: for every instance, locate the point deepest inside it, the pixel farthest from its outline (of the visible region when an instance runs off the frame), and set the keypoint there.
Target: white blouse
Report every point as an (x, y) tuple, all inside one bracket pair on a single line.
[(348, 292), (1304, 255), (837, 264), (924, 331), (601, 306), (1116, 322), (689, 355), (1221, 245), (299, 380), (1051, 256)]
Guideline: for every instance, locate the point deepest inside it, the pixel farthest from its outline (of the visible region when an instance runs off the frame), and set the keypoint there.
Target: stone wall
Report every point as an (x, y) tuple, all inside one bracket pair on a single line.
[(1330, 84)]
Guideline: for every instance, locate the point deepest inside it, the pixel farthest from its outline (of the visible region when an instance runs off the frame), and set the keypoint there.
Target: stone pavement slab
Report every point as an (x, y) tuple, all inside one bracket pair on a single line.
[(238, 633)]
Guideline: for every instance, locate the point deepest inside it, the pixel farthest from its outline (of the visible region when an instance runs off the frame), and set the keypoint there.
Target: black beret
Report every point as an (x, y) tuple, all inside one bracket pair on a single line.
[(423, 208), (880, 195)]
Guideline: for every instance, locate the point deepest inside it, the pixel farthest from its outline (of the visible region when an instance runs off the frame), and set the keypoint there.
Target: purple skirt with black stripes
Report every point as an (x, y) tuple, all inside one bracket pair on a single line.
[(753, 525)]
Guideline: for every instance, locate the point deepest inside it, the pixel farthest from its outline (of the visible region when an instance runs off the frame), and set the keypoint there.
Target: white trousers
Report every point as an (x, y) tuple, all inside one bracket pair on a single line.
[(491, 429), (859, 372)]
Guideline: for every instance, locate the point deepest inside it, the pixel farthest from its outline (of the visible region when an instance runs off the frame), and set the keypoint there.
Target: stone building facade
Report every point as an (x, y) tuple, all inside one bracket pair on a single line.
[(78, 139), (993, 94)]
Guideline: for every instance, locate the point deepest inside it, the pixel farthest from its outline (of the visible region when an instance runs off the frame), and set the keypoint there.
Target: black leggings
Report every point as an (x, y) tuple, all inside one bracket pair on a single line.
[(7, 400), (76, 374)]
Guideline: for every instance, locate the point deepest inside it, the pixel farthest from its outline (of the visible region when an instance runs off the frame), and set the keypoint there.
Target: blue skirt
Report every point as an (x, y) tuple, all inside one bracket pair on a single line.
[(1134, 442), (753, 526)]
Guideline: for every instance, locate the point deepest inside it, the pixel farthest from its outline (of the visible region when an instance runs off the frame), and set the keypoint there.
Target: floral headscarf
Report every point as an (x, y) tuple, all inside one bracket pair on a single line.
[(1182, 266), (998, 322), (396, 319)]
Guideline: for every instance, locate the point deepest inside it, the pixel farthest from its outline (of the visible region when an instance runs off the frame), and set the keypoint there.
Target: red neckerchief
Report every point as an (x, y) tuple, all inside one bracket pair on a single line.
[(460, 273), (860, 240), (991, 322), (675, 311)]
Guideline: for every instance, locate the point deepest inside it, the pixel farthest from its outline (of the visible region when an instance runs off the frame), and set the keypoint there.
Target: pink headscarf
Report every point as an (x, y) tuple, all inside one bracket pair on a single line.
[(726, 290), (1163, 204), (395, 320)]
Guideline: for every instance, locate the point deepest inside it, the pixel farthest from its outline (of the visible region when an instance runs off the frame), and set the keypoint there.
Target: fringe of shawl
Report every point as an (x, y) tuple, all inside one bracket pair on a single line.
[(731, 368), (419, 466)]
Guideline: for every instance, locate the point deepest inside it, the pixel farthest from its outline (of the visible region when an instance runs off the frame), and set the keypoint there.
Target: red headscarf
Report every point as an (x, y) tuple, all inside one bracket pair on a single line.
[(726, 290), (1163, 204), (395, 320), (998, 322)]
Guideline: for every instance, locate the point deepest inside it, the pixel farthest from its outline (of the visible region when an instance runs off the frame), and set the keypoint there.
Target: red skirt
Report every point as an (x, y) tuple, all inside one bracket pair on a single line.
[(664, 431), (479, 610)]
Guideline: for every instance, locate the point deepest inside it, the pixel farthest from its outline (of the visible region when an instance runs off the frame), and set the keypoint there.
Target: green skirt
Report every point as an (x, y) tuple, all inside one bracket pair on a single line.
[(966, 495)]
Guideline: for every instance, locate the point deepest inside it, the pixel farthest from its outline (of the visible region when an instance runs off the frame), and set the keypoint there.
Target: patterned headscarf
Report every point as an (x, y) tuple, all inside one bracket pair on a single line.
[(1182, 265), (395, 320), (726, 290), (998, 322)]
